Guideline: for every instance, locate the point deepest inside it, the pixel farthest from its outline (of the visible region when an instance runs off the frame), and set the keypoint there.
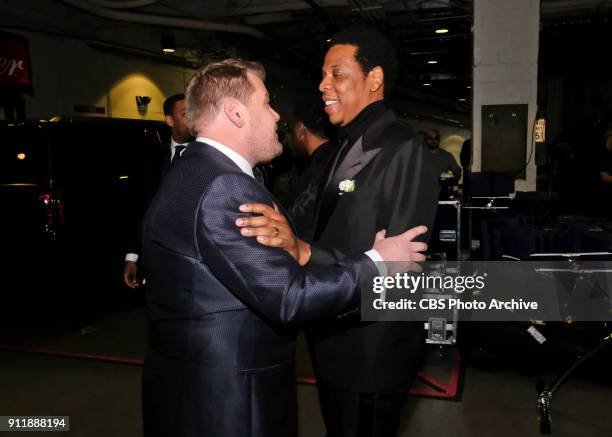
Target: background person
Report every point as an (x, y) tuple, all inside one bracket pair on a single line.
[(145, 183)]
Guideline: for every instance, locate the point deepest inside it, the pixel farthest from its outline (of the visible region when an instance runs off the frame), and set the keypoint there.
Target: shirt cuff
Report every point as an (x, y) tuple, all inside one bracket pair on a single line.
[(134, 257), (378, 260)]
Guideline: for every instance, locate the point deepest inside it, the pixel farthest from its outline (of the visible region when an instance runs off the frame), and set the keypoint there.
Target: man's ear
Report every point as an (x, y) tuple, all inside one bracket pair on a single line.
[(300, 130), (235, 111), (377, 78), (170, 121)]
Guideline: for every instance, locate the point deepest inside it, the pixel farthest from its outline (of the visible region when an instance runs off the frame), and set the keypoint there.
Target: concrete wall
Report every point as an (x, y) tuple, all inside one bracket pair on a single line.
[(506, 37), (67, 72)]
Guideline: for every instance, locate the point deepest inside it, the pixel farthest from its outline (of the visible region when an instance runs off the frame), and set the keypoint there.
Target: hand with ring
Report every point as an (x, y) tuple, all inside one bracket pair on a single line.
[(271, 228)]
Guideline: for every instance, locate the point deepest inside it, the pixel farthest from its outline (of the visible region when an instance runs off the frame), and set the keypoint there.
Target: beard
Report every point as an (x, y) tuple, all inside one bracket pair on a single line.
[(265, 147), (274, 150)]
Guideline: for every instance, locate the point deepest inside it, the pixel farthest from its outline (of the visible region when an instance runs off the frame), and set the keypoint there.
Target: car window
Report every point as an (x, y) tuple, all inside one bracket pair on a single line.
[(23, 155)]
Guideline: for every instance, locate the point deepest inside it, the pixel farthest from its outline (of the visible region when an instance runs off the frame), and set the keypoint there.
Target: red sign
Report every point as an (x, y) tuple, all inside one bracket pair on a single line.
[(14, 60)]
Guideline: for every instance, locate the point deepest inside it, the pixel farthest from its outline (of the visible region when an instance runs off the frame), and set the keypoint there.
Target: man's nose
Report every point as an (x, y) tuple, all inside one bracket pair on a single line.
[(324, 84)]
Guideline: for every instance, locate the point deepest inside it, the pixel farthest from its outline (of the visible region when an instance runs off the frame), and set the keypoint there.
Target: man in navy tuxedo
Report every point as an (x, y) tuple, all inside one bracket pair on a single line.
[(222, 306)]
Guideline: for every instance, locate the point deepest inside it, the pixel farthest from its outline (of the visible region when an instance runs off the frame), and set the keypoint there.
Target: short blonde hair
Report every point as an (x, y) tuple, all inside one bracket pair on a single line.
[(216, 81)]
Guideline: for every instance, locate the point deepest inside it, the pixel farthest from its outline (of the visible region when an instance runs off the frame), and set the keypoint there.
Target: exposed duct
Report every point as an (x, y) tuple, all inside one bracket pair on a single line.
[(160, 20), (122, 4), (552, 6)]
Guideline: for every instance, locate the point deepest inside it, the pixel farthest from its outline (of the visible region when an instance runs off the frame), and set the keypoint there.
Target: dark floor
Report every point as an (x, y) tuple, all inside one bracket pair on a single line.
[(103, 399)]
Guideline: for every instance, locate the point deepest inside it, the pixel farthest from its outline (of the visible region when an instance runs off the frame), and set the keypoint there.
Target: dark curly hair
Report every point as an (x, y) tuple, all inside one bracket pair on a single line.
[(171, 101), (373, 49)]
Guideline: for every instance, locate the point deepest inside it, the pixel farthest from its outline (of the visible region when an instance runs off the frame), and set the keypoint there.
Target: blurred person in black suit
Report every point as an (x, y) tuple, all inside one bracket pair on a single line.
[(311, 139), (605, 175), (145, 182)]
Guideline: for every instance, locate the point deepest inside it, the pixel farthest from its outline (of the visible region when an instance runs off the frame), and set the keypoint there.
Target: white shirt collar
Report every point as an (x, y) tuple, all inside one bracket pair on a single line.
[(236, 158)]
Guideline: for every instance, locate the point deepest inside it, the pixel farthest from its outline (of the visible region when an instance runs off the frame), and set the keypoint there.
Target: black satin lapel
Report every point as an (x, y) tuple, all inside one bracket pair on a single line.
[(334, 164), (355, 161), (371, 143)]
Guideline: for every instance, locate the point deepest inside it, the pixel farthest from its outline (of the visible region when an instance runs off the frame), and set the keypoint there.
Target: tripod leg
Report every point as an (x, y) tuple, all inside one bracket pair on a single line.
[(545, 393), (544, 417), (606, 341)]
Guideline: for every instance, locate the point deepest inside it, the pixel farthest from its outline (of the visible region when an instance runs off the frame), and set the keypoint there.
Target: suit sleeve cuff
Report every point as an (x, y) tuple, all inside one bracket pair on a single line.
[(378, 260), (134, 257)]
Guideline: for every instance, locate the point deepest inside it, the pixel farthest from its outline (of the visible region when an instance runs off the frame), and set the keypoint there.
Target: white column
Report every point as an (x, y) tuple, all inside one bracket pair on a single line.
[(506, 37)]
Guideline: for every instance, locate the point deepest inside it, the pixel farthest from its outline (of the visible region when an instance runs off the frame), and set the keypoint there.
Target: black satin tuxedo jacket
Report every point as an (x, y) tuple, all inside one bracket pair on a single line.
[(222, 306), (395, 188)]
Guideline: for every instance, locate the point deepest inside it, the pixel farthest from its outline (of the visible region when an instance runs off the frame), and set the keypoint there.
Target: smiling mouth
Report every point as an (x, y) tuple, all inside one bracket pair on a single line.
[(330, 102)]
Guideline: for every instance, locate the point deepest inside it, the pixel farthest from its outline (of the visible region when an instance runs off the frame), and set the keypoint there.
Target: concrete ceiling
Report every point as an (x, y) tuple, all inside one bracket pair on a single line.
[(294, 33)]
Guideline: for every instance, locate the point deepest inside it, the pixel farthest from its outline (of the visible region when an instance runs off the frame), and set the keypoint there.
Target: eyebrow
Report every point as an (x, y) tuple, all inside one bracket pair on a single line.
[(331, 67)]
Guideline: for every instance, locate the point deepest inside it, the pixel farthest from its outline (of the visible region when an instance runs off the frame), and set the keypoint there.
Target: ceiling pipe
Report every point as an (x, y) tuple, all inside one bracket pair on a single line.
[(318, 9), (140, 53), (573, 5), (121, 4), (160, 20)]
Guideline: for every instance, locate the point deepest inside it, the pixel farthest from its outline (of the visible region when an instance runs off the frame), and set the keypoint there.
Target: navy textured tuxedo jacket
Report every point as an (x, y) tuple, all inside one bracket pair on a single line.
[(222, 342)]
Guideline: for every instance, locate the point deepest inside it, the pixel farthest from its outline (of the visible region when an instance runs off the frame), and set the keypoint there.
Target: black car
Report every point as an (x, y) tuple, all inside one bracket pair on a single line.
[(67, 197)]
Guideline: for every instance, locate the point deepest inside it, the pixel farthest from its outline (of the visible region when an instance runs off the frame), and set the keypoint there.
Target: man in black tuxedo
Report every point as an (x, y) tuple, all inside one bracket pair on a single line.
[(144, 184), (381, 177), (221, 305)]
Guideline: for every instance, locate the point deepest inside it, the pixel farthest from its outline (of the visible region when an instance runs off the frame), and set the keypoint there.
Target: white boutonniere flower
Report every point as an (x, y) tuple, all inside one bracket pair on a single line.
[(346, 186)]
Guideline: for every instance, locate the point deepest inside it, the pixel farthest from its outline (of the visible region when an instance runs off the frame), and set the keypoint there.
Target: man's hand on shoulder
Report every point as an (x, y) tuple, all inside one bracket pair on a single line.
[(271, 228)]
